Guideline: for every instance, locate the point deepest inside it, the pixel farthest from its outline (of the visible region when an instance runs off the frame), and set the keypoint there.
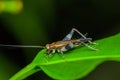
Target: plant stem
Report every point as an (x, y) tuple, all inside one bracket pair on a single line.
[(25, 72)]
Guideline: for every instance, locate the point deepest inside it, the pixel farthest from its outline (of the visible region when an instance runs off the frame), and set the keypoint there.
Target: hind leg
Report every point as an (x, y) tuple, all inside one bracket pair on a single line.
[(69, 36), (89, 46)]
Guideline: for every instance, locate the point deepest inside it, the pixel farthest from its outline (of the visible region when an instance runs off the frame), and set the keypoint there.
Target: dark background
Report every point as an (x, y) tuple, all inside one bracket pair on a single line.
[(44, 21)]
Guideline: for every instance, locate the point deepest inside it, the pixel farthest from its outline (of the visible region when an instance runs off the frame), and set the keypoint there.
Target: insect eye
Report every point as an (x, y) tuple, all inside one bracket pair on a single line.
[(47, 46)]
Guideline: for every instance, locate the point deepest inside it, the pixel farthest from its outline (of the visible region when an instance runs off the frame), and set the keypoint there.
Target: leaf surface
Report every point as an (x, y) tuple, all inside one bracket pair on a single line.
[(80, 61)]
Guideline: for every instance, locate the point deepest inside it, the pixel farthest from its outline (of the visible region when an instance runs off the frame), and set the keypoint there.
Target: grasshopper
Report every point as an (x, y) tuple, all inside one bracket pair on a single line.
[(62, 46)]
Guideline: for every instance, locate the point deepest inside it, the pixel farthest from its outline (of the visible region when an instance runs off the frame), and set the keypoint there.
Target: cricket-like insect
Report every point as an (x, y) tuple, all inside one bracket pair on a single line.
[(63, 45)]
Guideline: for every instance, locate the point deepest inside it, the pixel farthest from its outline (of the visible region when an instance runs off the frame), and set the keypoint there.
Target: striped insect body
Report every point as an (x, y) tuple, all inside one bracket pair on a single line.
[(68, 43), (63, 45)]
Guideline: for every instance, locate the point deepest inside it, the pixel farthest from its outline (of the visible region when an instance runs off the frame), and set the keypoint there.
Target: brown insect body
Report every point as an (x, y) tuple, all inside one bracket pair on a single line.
[(60, 45)]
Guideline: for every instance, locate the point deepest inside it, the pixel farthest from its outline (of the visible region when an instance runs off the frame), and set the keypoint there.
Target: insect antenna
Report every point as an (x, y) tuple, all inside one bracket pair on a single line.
[(22, 46)]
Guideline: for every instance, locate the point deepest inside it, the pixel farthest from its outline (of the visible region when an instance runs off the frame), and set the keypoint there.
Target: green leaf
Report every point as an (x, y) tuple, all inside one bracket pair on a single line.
[(77, 62)]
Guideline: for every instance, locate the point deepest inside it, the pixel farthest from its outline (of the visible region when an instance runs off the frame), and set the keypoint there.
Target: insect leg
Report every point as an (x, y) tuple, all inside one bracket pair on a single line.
[(60, 50), (83, 40), (53, 51), (48, 53), (69, 36), (82, 35), (89, 46)]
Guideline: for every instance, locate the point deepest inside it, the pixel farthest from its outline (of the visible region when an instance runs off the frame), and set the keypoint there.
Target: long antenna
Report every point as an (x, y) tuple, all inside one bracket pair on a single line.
[(22, 46)]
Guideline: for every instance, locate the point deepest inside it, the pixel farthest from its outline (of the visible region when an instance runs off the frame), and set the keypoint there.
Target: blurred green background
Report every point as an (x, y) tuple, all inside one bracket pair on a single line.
[(39, 22)]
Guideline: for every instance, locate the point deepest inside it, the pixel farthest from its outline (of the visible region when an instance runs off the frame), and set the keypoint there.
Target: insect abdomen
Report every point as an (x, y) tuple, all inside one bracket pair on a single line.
[(68, 46)]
